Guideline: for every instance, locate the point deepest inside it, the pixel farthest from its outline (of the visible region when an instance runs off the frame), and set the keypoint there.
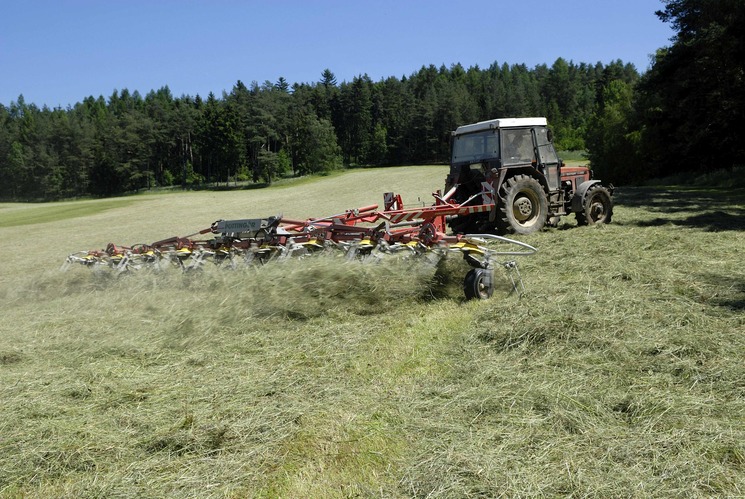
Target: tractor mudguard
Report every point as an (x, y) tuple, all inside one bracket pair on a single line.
[(578, 200)]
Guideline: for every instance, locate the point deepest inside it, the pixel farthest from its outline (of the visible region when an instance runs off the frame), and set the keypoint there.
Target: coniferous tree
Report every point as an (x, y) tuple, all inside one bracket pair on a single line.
[(356, 119)]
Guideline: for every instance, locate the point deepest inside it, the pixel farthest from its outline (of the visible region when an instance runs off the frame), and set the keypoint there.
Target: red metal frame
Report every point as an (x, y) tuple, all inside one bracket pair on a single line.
[(425, 226)]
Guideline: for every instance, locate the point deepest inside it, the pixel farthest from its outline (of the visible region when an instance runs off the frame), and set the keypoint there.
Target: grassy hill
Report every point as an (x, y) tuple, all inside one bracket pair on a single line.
[(618, 372)]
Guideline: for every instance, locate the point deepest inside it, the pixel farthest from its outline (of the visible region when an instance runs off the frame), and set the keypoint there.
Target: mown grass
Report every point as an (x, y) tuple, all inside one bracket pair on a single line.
[(618, 373)]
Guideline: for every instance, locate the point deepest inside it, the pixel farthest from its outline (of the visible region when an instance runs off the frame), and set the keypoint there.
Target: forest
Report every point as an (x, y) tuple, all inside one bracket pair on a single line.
[(683, 114)]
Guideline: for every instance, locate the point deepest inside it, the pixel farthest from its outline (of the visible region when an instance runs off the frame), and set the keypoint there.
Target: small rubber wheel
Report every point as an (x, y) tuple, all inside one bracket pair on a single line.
[(477, 284)]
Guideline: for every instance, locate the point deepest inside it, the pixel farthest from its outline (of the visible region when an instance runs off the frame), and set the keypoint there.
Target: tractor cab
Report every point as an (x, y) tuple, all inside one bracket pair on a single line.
[(481, 149)]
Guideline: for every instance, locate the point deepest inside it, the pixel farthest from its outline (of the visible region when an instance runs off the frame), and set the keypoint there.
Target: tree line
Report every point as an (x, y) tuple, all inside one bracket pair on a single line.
[(684, 113), (107, 146)]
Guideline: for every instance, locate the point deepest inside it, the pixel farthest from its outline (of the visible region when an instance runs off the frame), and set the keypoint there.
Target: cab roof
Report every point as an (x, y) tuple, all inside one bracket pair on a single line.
[(500, 123)]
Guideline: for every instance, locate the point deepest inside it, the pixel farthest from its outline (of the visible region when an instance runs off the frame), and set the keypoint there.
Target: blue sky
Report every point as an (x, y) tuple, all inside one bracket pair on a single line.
[(57, 52)]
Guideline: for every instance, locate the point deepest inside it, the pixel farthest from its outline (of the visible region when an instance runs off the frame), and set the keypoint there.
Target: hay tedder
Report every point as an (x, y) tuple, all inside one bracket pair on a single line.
[(505, 178), (365, 233)]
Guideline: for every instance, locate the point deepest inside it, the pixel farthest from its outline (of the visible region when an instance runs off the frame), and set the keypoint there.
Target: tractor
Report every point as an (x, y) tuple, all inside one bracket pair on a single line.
[(511, 165)]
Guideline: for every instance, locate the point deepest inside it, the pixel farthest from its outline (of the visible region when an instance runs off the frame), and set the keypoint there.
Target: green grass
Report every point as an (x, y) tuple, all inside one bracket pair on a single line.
[(15, 215), (574, 158), (618, 373)]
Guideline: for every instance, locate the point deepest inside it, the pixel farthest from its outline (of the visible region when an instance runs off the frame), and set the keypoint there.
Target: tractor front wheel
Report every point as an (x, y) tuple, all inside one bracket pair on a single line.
[(523, 205), (478, 284), (597, 208)]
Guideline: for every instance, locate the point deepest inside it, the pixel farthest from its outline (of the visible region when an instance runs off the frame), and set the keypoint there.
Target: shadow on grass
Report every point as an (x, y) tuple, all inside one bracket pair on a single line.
[(711, 209), (732, 291), (736, 305)]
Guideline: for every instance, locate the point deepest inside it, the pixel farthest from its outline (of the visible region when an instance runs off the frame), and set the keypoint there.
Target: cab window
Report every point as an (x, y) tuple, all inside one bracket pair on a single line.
[(517, 146), (475, 147), (545, 148)]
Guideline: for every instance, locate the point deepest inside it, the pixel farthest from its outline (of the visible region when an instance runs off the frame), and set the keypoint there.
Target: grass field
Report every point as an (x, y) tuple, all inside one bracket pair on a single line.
[(619, 372)]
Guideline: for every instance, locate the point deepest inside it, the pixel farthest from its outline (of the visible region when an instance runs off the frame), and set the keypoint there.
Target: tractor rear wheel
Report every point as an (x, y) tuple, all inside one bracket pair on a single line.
[(477, 284), (597, 208), (523, 205)]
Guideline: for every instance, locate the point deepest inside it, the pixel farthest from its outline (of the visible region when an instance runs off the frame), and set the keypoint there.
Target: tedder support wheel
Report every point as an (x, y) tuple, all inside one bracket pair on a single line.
[(523, 205), (597, 208), (478, 284)]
